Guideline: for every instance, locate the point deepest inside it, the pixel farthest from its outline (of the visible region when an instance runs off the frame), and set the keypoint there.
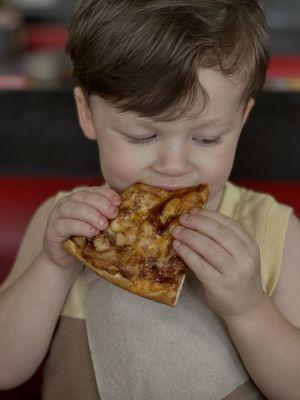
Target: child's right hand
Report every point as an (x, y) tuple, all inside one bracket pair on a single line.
[(82, 213)]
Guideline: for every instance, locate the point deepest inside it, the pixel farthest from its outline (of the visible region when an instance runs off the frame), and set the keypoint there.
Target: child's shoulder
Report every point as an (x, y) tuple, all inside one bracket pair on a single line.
[(240, 203)]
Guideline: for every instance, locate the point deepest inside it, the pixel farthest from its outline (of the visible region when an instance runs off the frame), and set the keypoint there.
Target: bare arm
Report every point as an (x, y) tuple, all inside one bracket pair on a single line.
[(270, 349), (28, 309), (33, 295), (268, 339)]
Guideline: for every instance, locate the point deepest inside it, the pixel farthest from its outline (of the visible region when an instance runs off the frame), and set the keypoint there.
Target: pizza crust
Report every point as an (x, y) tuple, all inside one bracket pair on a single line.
[(157, 292)]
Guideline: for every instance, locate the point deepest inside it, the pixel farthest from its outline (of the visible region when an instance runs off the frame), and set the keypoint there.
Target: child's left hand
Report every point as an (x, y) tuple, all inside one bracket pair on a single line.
[(224, 258)]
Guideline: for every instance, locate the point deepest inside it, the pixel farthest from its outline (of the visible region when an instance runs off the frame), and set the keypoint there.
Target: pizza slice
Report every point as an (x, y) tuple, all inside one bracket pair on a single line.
[(135, 252)]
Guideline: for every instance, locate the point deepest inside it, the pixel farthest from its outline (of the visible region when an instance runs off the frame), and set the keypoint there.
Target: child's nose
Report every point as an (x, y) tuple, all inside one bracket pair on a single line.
[(173, 163)]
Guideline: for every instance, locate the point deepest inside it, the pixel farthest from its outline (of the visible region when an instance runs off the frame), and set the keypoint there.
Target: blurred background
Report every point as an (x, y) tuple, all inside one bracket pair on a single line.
[(32, 37), (42, 149)]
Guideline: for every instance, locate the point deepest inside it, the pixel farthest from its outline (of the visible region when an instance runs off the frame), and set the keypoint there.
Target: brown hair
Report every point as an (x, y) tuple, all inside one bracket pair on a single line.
[(143, 55)]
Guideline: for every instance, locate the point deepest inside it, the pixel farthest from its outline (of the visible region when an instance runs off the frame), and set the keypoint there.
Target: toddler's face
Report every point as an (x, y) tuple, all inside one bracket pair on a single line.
[(187, 152)]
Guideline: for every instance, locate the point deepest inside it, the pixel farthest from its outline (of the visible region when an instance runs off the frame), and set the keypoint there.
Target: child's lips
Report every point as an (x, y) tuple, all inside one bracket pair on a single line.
[(172, 187), (178, 187)]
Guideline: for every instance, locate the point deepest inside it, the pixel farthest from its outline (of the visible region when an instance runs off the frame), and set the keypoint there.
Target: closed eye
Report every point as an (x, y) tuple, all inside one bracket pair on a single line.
[(208, 142), (141, 140)]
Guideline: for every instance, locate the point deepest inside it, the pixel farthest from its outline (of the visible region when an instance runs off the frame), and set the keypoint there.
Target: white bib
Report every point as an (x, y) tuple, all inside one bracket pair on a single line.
[(142, 350)]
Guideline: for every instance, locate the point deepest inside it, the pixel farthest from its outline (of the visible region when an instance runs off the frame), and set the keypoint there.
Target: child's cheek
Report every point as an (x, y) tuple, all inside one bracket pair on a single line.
[(119, 171), (217, 171)]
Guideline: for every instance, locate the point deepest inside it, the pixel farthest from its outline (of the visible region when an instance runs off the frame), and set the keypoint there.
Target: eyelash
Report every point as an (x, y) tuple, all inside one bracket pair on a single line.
[(141, 140), (209, 142), (202, 142)]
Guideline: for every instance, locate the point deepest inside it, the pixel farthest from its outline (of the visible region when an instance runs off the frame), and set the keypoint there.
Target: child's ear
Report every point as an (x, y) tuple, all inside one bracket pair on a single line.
[(248, 108), (84, 114)]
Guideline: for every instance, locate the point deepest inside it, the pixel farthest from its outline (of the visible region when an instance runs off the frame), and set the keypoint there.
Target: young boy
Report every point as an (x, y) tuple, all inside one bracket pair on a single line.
[(164, 87)]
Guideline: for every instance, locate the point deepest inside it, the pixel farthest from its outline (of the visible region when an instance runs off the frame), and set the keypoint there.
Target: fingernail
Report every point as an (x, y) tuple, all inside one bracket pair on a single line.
[(184, 217), (94, 232), (176, 243), (177, 230), (113, 211), (117, 200), (102, 223)]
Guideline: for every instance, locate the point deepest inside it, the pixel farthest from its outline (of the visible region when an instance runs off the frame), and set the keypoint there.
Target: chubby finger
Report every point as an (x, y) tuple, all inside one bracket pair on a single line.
[(83, 212), (108, 192), (213, 229), (97, 200), (66, 227), (204, 272), (208, 249), (228, 222)]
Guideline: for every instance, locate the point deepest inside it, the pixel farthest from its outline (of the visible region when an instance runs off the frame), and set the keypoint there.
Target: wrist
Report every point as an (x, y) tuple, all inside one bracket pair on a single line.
[(253, 315), (64, 271)]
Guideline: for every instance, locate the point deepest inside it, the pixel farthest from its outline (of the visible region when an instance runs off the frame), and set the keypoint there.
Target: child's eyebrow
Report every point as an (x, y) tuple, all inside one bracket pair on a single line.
[(213, 122), (198, 123), (192, 124)]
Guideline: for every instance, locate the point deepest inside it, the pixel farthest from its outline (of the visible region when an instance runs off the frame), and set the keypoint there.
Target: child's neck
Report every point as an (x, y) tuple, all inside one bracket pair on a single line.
[(215, 203)]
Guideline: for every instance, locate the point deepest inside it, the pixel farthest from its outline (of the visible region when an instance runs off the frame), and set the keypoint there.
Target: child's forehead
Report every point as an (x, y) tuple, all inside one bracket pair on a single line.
[(224, 98)]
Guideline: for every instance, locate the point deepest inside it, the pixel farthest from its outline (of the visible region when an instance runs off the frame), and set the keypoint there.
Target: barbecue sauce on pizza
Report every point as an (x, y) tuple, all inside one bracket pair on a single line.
[(156, 212)]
